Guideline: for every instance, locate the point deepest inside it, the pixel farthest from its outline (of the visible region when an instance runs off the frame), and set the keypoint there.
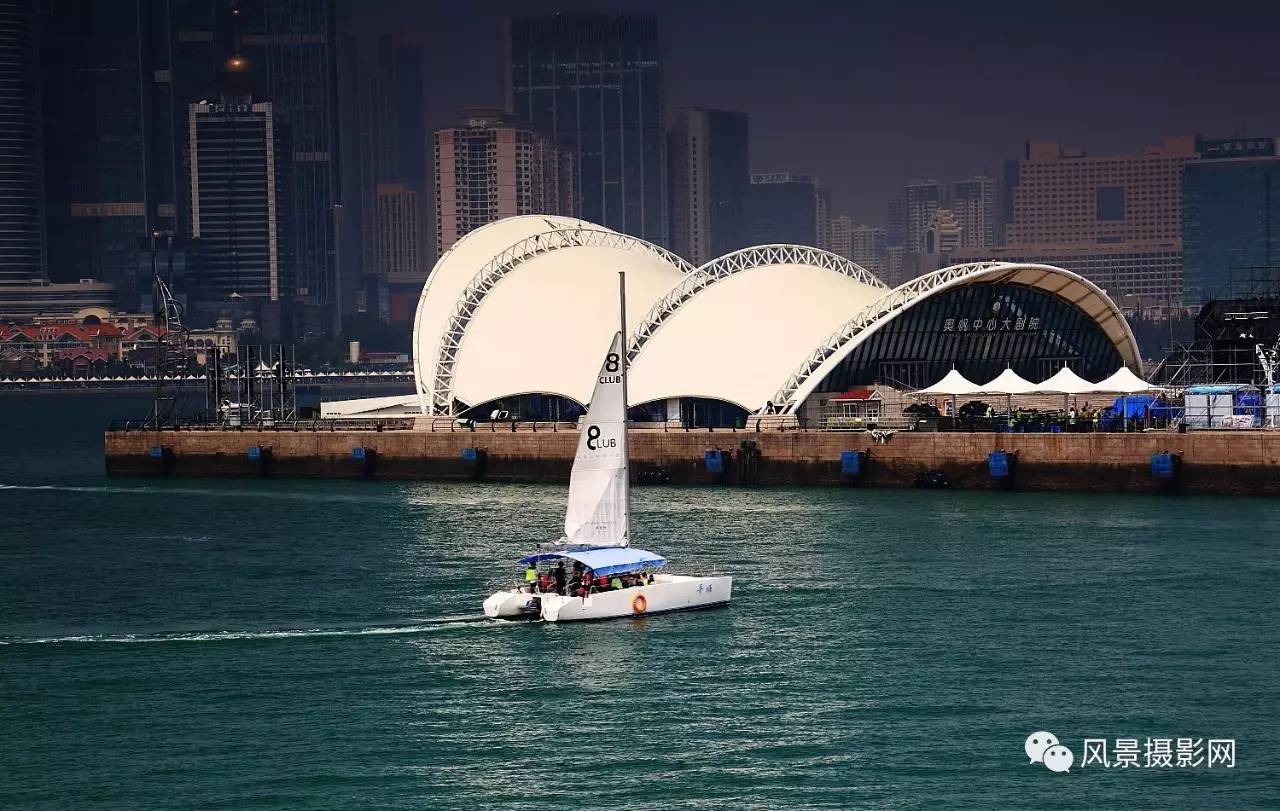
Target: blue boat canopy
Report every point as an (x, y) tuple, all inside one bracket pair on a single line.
[(1226, 388), (606, 560)]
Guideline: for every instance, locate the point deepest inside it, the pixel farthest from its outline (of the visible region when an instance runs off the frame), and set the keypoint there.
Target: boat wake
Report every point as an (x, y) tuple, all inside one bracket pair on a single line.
[(416, 627)]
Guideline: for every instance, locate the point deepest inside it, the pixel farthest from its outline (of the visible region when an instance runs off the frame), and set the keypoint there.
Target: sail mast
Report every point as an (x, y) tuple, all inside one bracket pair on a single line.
[(626, 445)]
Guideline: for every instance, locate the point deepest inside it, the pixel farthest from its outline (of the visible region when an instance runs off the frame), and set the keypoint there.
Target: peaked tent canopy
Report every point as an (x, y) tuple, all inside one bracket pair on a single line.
[(952, 384), (606, 561), (1066, 382), (1123, 382), (1009, 382)]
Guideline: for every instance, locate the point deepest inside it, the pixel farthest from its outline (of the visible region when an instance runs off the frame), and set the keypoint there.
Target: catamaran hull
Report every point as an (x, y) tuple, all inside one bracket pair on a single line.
[(510, 605), (667, 593)]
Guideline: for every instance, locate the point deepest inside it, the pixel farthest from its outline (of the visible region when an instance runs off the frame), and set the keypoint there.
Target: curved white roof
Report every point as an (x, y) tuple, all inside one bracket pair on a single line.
[(528, 304), (455, 270), (736, 338), (1070, 286), (545, 327)]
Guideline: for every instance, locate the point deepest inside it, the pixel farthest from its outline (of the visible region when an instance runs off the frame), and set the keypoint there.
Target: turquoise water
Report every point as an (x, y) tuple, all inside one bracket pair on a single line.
[(280, 644)]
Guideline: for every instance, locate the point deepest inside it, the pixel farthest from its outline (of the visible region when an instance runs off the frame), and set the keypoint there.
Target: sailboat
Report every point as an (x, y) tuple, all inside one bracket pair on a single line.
[(592, 571)]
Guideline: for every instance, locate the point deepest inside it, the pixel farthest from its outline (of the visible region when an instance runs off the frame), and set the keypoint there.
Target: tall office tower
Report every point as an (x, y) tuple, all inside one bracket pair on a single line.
[(384, 143), (492, 166), (922, 199), (291, 45), (782, 208), (593, 83), (707, 153), (895, 257), (239, 164), (21, 193), (822, 217), (1116, 220), (101, 174), (1230, 218), (973, 202)]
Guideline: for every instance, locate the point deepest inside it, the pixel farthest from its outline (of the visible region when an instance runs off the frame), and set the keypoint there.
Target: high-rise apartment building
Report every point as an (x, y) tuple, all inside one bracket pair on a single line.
[(1069, 197), (593, 83), (1069, 207), (782, 208), (292, 48), (860, 244), (21, 217), (973, 203), (707, 153), (922, 199), (397, 239), (239, 164), (492, 166), (1230, 217)]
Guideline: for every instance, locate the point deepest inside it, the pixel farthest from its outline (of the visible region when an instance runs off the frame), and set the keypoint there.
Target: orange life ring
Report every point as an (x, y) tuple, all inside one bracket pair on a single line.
[(639, 604)]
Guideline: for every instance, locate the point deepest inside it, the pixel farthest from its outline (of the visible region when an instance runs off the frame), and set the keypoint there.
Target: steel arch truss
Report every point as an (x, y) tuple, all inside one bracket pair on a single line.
[(801, 382), (729, 264), (502, 264)]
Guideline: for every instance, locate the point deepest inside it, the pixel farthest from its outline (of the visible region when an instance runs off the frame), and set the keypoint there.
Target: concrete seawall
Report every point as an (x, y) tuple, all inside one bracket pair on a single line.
[(1231, 462)]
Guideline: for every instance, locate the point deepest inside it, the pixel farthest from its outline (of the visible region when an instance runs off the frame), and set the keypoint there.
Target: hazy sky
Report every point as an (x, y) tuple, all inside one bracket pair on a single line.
[(865, 96)]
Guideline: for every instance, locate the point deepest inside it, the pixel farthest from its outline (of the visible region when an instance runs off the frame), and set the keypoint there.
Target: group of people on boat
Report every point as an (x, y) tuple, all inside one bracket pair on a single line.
[(581, 582)]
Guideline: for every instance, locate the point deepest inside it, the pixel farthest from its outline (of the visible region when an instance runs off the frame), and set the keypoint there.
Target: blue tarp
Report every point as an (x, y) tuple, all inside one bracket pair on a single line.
[(607, 560), (1132, 407)]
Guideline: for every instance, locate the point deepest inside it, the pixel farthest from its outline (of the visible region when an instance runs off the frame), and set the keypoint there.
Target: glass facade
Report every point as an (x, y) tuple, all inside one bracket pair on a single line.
[(21, 226), (979, 329), (1230, 224), (593, 83)]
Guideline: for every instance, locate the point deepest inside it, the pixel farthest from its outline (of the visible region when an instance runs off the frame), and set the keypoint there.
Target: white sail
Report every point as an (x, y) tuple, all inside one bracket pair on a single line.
[(598, 485)]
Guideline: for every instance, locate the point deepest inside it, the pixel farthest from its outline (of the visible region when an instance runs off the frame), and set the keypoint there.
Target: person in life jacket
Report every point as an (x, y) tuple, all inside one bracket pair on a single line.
[(530, 576), (616, 583)]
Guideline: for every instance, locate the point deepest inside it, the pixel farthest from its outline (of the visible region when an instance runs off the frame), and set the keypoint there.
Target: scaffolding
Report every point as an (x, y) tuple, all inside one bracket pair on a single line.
[(258, 389)]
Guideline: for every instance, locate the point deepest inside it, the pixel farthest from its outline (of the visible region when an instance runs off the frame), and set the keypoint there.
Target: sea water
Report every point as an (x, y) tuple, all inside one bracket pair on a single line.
[(315, 644)]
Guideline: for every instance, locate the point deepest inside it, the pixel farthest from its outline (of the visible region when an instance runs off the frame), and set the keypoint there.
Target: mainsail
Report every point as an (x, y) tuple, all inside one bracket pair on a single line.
[(598, 486)]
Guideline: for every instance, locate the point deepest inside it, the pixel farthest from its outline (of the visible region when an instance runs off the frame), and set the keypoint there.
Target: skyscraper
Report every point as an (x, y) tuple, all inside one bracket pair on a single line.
[(973, 202), (491, 166), (593, 83), (1230, 216), (384, 140), (822, 217), (21, 216), (291, 46), (398, 250), (99, 98), (239, 163), (782, 208), (707, 152)]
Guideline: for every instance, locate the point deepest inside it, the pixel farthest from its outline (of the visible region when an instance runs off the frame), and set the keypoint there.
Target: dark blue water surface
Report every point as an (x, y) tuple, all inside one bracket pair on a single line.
[(235, 644)]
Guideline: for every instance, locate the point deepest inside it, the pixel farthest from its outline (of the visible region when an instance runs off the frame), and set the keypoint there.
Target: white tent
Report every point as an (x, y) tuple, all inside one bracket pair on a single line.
[(1066, 382), (1009, 382), (1124, 382), (953, 384)]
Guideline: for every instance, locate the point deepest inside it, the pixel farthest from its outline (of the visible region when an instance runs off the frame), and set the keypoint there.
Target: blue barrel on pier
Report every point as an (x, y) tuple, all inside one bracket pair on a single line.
[(469, 454), (1000, 464), (1165, 466), (851, 462), (255, 452), (358, 454), (714, 460)]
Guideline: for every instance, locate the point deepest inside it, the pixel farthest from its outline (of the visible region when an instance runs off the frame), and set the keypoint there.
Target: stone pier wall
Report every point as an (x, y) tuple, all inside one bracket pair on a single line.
[(1237, 462)]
